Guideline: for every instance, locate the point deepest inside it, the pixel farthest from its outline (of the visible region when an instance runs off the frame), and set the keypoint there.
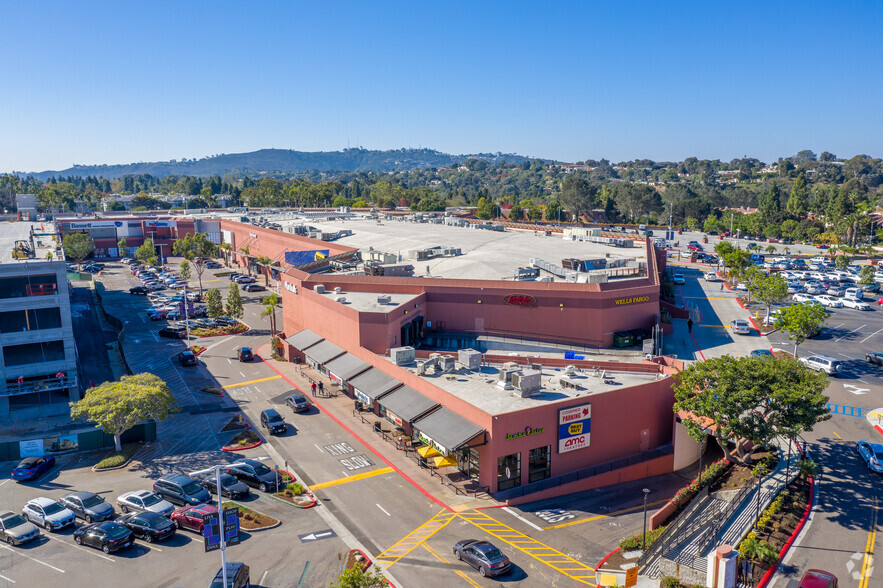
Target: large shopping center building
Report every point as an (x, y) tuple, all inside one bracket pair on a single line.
[(515, 381)]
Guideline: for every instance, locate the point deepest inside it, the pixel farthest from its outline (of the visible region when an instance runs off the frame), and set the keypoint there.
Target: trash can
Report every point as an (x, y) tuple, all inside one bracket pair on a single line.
[(623, 339), (378, 427), (637, 335), (358, 404)]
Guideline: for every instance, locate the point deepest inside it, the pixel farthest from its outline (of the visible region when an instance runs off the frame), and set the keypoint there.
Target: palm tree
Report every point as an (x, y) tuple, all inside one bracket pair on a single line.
[(271, 303), (227, 250), (808, 468), (265, 263), (246, 250)]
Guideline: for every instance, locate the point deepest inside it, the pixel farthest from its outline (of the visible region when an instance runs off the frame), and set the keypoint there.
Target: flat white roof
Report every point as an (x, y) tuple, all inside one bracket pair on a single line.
[(368, 301)]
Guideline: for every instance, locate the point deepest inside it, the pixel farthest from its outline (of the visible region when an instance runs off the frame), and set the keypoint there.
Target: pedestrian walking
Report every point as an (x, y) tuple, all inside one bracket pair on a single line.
[(722, 286), (321, 388), (313, 388), (690, 325)]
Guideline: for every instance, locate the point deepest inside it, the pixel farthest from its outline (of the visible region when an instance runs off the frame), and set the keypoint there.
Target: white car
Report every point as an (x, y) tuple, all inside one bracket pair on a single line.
[(741, 327), (855, 303), (795, 287), (742, 286), (710, 277), (678, 279), (854, 293), (803, 297), (48, 513), (770, 320), (145, 501), (829, 301), (686, 254)]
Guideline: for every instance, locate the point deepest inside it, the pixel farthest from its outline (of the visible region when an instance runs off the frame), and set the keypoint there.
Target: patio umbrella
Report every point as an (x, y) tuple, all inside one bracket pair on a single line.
[(427, 451), (443, 461)]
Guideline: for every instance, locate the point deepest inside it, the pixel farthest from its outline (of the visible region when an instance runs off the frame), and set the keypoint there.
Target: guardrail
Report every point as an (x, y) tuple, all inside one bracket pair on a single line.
[(666, 539)]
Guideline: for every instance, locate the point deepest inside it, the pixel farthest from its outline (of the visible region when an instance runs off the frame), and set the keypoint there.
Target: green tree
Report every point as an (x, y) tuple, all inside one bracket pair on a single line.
[(516, 214), (769, 205), (484, 210), (146, 253), (196, 247), (234, 302), (750, 398), (214, 307), (577, 195), (553, 208), (866, 276), (358, 578), (798, 201), (265, 263), (842, 262), (271, 303), (756, 550), (122, 248), (77, 247), (768, 289), (801, 321), (185, 270), (118, 406)]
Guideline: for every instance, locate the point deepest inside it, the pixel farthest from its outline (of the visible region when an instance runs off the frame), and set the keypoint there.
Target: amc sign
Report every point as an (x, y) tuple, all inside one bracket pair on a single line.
[(520, 300), (574, 427)]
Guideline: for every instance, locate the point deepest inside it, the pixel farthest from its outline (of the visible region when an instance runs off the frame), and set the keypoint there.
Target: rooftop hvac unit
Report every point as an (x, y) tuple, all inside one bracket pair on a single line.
[(570, 370), (384, 299), (510, 365), (337, 289), (447, 363), (527, 381), (536, 366), (341, 299), (469, 358), (505, 374), (320, 289), (402, 355)]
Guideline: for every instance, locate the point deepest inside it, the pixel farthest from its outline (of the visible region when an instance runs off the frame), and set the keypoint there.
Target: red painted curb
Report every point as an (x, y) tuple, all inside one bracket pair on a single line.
[(600, 563), (702, 355), (769, 573), (492, 506), (259, 443), (198, 353), (351, 432), (879, 429), (756, 328)]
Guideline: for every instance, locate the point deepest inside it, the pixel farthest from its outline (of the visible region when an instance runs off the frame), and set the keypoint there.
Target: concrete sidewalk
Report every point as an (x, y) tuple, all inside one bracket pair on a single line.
[(434, 484)]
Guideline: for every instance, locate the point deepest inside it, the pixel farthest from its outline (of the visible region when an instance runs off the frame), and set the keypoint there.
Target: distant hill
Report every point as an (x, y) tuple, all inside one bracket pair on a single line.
[(275, 161)]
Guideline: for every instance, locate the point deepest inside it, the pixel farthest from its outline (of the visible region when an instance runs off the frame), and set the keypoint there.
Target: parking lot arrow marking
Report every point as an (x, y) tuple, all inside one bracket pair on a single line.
[(855, 389), (316, 536)]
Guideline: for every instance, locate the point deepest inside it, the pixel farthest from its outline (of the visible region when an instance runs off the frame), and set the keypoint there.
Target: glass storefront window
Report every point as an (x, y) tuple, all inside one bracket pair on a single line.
[(467, 462), (540, 464), (509, 471)]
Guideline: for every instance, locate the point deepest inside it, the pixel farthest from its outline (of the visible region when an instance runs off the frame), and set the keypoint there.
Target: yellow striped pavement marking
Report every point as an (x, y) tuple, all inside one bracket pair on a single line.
[(469, 580), (550, 556), (348, 479), (416, 537), (252, 382)]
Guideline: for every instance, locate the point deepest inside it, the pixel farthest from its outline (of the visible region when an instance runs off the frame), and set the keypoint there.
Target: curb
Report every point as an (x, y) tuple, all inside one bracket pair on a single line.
[(119, 467), (770, 572), (258, 444), (606, 557), (278, 522), (879, 429), (365, 443), (314, 503), (367, 564)]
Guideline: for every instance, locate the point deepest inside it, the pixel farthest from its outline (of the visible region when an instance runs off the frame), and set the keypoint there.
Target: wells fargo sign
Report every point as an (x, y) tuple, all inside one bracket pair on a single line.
[(520, 299), (634, 300)]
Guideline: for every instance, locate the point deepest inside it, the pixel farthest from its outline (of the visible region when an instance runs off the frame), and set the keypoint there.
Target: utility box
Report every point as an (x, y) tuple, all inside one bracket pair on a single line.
[(403, 355), (469, 358)]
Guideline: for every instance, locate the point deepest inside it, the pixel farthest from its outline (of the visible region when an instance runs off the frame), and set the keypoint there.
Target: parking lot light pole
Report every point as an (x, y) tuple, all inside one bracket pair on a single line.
[(186, 317), (216, 470), (644, 540)]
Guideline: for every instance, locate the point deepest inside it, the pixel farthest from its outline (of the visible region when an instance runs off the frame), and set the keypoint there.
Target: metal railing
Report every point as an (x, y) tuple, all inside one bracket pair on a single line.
[(726, 513), (666, 539)]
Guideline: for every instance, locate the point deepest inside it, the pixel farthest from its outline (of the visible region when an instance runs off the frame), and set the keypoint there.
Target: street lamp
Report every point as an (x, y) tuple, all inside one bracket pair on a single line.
[(644, 540), (217, 471)]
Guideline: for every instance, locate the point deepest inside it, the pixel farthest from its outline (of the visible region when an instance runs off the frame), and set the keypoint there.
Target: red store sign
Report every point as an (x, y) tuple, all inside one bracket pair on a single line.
[(520, 300)]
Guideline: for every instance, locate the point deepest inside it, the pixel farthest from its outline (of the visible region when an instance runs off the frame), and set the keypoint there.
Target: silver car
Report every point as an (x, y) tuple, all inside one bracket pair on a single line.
[(15, 530), (48, 513), (145, 501)]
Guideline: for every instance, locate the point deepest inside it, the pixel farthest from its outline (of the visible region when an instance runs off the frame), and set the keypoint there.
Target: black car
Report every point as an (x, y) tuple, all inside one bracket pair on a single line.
[(150, 526), (298, 403), (253, 473), (230, 486), (187, 357), (483, 556), (233, 276), (237, 576), (107, 536), (173, 332), (245, 354), (874, 357), (226, 321), (253, 288), (88, 506), (139, 290), (873, 287), (273, 422)]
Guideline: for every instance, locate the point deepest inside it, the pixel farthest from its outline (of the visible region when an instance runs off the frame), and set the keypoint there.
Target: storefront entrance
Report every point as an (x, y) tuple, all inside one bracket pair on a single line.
[(467, 462), (509, 471)]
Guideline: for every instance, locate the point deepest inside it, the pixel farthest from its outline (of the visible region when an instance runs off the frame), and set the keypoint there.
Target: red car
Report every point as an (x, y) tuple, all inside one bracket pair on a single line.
[(818, 579), (190, 517)]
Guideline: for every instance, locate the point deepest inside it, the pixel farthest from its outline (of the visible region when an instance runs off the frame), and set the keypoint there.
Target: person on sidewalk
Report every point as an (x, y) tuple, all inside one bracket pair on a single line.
[(690, 325), (313, 388), (722, 286), (321, 388)]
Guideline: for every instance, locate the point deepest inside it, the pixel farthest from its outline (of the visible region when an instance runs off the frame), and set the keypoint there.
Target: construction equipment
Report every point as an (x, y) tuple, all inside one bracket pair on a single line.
[(23, 250)]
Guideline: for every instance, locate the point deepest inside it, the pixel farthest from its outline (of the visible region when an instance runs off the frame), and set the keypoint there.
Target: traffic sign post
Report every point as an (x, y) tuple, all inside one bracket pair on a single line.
[(631, 577)]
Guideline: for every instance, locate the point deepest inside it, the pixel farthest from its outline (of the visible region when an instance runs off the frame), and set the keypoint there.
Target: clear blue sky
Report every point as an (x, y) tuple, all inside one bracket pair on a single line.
[(117, 82)]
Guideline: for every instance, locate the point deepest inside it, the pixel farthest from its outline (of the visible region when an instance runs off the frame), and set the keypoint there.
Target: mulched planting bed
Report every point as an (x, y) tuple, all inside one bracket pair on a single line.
[(116, 459), (243, 439), (235, 424), (735, 478), (781, 524), (228, 330), (355, 558), (251, 519)]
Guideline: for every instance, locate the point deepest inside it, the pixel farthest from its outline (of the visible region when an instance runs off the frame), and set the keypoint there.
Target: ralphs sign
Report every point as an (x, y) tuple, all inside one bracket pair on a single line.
[(574, 427)]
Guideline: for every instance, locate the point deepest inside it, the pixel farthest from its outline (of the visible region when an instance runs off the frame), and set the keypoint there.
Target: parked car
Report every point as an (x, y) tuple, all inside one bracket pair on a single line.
[(874, 357), (15, 530), (822, 363), (741, 327), (854, 293), (144, 501), (817, 579), (871, 288), (182, 490), (126, 260), (88, 506), (230, 486), (835, 291), (139, 290), (149, 526), (803, 297), (226, 321), (298, 403), (273, 422), (855, 303), (244, 280), (30, 468), (237, 576), (173, 331), (829, 301), (762, 353), (710, 277), (206, 323), (253, 473), (246, 354), (48, 513), (483, 556), (872, 454), (678, 279), (253, 288), (187, 357), (232, 276), (108, 536), (190, 517)]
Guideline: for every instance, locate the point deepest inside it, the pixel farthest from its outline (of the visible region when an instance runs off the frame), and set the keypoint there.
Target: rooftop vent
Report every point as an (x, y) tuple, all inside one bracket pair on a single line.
[(341, 299), (320, 289), (384, 299)]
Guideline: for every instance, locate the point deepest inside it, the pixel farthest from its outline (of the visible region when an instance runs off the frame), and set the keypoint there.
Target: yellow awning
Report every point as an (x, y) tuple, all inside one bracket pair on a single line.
[(427, 451), (443, 461)]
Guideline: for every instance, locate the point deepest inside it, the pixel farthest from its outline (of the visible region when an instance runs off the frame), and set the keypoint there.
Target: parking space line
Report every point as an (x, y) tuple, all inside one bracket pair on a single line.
[(471, 582), (869, 336), (352, 478), (32, 558), (521, 518), (75, 546), (252, 381), (10, 580), (850, 332)]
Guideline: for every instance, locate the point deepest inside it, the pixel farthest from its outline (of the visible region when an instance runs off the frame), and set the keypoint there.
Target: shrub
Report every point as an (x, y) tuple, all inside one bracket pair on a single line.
[(295, 489), (114, 459), (671, 582), (630, 544)]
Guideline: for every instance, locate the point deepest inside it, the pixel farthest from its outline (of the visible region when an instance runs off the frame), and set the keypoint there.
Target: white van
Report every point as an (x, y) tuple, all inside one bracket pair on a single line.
[(854, 293)]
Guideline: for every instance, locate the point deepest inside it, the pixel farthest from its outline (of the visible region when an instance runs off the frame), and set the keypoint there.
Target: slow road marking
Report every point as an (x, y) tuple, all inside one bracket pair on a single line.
[(252, 381)]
